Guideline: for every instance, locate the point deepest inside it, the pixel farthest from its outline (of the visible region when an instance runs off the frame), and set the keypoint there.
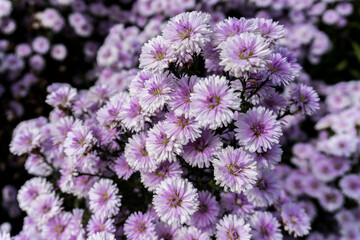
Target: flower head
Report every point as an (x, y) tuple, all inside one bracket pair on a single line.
[(139, 226), (104, 198), (232, 227), (234, 169), (258, 130), (188, 32), (213, 102), (244, 54), (296, 221), (265, 226), (175, 200)]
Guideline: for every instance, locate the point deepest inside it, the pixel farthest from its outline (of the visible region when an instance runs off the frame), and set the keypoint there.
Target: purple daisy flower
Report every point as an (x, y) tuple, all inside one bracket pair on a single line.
[(270, 29), (265, 226), (304, 99), (350, 186), (230, 27), (79, 141), (278, 70), (236, 203), (258, 129), (182, 128), (100, 224), (165, 170), (190, 233), (156, 92), (175, 200), (132, 116), (266, 190), (234, 169), (137, 156), (232, 227), (138, 83), (180, 102), (58, 228), (156, 55), (31, 190), (165, 231), (296, 221), (207, 214), (202, 151), (268, 159), (44, 207), (331, 199), (122, 168), (188, 32), (243, 54), (213, 102), (162, 146), (104, 199), (139, 226), (62, 97), (25, 141)]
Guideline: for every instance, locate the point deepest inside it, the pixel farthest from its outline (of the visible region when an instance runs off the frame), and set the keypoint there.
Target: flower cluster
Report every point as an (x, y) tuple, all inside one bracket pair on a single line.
[(183, 148)]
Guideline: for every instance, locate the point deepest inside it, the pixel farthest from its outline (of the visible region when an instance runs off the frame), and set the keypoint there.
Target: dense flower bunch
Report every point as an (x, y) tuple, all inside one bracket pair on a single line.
[(326, 176), (184, 148)]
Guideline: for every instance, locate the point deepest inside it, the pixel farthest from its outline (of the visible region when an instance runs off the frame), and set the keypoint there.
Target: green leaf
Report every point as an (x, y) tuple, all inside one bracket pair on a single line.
[(356, 48), (342, 65)]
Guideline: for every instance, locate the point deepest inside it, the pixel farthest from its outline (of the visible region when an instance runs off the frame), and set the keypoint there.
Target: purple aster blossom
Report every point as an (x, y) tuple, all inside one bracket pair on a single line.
[(180, 102), (122, 168), (270, 29), (175, 200), (323, 170), (23, 50), (230, 27), (258, 130), (190, 233), (213, 102), (266, 190), (109, 115), (25, 141), (62, 97), (313, 186), (164, 171), (232, 227), (187, 33), (156, 55), (278, 70), (137, 84), (156, 92), (268, 159), (101, 236), (350, 232), (165, 231), (58, 228), (182, 128), (41, 45), (107, 55), (31, 190), (304, 99), (207, 214), (350, 186), (342, 145), (132, 115), (265, 226), (79, 141), (35, 165), (273, 101), (61, 128), (139, 226), (162, 146), (5, 10), (296, 221), (202, 151), (58, 52), (243, 54), (331, 199), (137, 156), (104, 199), (44, 207), (100, 224), (234, 169)]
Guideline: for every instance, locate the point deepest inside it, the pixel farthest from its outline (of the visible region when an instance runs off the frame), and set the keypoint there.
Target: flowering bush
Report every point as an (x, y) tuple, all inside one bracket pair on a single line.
[(182, 149)]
